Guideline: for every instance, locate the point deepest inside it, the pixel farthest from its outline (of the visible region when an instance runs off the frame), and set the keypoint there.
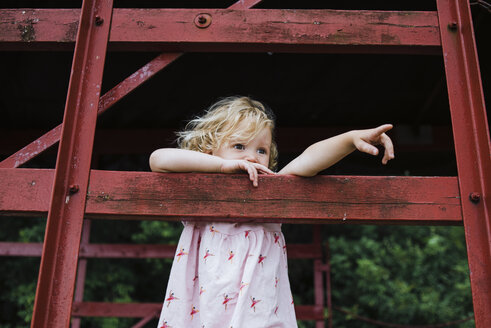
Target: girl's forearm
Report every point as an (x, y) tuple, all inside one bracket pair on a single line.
[(321, 155), (181, 160)]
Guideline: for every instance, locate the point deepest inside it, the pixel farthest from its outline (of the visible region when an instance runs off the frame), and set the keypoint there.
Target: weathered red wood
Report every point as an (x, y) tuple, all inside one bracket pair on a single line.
[(138, 310), (173, 196), (121, 310), (56, 282), (21, 249), (327, 270), (295, 251), (81, 272), (278, 30), (472, 146)]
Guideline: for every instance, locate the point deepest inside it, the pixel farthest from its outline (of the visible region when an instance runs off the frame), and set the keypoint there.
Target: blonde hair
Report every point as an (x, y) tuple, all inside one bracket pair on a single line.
[(221, 123)]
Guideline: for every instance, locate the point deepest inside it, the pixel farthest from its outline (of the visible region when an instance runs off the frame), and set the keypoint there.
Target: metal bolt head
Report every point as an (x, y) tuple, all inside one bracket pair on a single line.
[(202, 20), (475, 197), (99, 20), (73, 188), (452, 26)]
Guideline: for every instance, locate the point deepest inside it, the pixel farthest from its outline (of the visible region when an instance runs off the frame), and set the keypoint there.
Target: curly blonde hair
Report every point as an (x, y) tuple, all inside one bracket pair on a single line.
[(221, 123)]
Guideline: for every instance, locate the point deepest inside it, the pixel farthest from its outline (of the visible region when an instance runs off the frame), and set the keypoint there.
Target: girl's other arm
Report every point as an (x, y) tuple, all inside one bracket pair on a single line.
[(182, 160), (325, 153)]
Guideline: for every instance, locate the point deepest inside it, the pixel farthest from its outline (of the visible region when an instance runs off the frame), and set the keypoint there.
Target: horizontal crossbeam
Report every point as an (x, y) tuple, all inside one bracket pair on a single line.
[(204, 30), (138, 310), (223, 197), (136, 251)]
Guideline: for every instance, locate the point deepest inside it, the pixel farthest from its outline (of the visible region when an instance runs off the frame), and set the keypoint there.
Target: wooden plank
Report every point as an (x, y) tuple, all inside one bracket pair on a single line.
[(224, 197), (137, 251), (139, 310), (278, 30)]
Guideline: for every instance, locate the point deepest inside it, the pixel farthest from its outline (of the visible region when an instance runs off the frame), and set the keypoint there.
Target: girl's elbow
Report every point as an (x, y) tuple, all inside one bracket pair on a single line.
[(157, 161), (299, 172)]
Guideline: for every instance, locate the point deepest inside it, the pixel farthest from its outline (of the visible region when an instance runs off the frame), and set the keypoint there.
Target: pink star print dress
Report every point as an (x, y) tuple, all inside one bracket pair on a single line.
[(229, 275)]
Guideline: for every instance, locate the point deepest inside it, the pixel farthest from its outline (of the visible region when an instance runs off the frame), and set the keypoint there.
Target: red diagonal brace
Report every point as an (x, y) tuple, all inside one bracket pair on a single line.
[(54, 294), (472, 146), (108, 100)]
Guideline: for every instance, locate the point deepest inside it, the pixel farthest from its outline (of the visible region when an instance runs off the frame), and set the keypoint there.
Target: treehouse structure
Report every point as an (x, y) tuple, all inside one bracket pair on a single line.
[(314, 66)]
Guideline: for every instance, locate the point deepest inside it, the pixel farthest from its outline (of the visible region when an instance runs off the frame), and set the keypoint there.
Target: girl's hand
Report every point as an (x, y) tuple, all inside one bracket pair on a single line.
[(365, 141), (239, 165)]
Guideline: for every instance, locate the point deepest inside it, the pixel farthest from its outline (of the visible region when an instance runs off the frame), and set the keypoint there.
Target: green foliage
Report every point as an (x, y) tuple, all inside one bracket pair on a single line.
[(404, 275)]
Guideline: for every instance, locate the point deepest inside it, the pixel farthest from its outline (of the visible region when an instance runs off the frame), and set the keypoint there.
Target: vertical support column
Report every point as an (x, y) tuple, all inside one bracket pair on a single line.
[(318, 269), (472, 146), (81, 272), (328, 285), (54, 294)]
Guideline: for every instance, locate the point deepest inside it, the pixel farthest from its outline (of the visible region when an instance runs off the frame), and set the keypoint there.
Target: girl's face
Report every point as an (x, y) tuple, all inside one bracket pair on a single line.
[(256, 150)]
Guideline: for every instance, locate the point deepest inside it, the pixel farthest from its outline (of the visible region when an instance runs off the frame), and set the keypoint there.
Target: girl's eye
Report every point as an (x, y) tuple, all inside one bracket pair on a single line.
[(239, 146), (261, 151)]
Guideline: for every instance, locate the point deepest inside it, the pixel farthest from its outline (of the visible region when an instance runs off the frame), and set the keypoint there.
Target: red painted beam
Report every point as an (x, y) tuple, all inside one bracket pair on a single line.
[(139, 310), (56, 282), (177, 196), (137, 251), (472, 146), (21, 249), (277, 30)]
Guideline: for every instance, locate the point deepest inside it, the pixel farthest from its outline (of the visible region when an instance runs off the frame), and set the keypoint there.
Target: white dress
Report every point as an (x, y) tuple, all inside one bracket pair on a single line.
[(229, 275)]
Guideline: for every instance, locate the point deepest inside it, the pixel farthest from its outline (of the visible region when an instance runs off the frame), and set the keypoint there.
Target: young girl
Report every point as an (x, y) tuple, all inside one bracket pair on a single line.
[(235, 275)]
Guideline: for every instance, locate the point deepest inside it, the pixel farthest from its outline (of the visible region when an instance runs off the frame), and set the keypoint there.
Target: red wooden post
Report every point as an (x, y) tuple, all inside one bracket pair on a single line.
[(328, 285), (318, 288), (54, 294), (81, 272), (472, 146)]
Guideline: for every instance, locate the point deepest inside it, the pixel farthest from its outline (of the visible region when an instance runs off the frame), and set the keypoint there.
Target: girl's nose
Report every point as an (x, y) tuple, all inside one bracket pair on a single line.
[(251, 158)]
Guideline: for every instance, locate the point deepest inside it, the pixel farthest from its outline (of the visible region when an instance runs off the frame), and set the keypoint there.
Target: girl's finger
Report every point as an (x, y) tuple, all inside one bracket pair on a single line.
[(263, 169), (365, 147), (388, 145), (382, 129), (252, 174)]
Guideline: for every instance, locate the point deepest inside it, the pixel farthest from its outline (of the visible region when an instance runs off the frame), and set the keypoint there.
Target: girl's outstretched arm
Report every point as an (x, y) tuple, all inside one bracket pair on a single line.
[(325, 153), (182, 160)]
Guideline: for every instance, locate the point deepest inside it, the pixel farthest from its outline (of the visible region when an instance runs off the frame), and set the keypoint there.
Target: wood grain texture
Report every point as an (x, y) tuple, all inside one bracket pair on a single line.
[(223, 197), (279, 30)]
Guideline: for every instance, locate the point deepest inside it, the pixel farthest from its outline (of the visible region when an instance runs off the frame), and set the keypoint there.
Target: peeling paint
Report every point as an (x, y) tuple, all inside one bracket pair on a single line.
[(27, 31), (71, 33), (145, 72), (388, 38)]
